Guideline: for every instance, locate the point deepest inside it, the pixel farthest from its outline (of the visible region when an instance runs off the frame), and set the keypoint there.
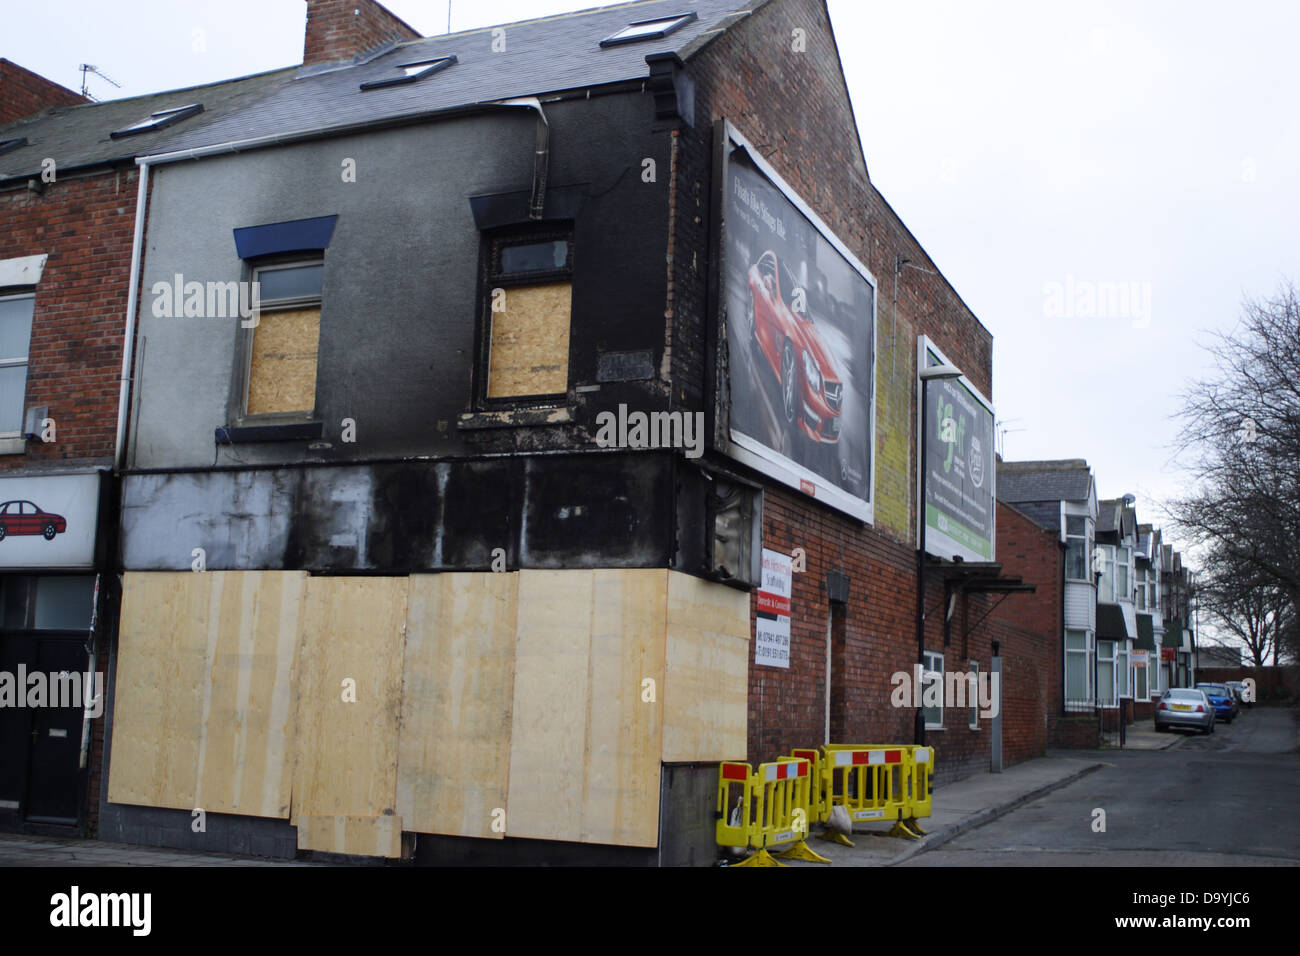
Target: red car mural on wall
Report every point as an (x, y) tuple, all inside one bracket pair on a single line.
[(812, 391), (24, 517)]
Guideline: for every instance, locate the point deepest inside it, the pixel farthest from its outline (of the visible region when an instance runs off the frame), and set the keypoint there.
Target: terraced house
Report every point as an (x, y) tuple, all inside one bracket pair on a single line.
[(517, 426), (69, 203)]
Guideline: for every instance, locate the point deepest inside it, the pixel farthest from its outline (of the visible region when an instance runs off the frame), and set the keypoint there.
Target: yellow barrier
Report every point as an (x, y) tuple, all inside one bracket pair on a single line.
[(778, 803), (772, 809), (881, 782)]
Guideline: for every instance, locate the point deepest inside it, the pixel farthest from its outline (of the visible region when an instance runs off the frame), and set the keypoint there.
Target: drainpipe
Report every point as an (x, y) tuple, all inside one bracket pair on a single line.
[(541, 155), (132, 301)]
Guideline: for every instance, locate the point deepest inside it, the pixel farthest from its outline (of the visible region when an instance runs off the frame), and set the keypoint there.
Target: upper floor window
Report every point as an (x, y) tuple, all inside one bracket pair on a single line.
[(15, 339), (280, 350), (1076, 547), (528, 281)]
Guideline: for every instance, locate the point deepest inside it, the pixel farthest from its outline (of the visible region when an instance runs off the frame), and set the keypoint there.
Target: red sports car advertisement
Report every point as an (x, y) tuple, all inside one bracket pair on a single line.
[(800, 321)]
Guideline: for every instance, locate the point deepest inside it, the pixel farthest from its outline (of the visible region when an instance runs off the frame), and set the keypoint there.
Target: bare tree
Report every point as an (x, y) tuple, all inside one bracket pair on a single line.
[(1245, 605), (1240, 441)]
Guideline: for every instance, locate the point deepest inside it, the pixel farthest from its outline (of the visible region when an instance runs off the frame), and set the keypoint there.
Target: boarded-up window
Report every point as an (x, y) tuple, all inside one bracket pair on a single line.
[(530, 289), (529, 348), (282, 373), (284, 343)]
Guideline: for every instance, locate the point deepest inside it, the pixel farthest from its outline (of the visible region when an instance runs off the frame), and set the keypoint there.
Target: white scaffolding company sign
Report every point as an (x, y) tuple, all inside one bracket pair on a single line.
[(772, 623)]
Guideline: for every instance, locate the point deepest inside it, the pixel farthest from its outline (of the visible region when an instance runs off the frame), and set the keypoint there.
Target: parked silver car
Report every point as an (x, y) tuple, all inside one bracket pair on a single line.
[(1185, 707)]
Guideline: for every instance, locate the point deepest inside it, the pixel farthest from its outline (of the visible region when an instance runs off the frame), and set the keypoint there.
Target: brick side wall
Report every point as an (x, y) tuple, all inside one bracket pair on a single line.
[(793, 106), (85, 225), (338, 30), (24, 93)]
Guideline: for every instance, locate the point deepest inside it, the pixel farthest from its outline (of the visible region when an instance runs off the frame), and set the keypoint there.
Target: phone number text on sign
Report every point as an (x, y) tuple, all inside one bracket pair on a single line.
[(772, 624)]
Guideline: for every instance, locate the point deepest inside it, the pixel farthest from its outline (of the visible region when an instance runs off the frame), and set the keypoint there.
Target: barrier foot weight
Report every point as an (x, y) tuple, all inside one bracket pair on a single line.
[(900, 830), (761, 858), (802, 851), (835, 836), (913, 825)]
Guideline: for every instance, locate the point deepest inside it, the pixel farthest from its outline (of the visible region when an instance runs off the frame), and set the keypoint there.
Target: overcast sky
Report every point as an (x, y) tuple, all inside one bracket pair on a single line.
[(1046, 155)]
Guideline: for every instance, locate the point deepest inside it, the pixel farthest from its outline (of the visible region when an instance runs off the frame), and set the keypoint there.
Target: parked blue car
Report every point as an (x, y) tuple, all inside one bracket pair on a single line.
[(1225, 703)]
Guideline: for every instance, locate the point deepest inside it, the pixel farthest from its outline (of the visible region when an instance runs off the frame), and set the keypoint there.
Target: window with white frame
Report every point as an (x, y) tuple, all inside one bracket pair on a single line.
[(973, 690), (15, 338), (1122, 674), (1123, 557), (933, 673), (1076, 547), (1106, 674), (1106, 587), (1140, 689), (1078, 673), (1142, 574)]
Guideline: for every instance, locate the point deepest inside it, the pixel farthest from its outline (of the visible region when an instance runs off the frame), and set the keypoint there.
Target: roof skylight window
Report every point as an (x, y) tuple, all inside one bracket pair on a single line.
[(411, 72), (160, 120), (648, 29)]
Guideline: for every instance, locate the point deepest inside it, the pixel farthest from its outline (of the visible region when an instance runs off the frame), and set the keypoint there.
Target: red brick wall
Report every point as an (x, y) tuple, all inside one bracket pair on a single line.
[(336, 33), (1074, 731), (85, 225), (794, 107), (1271, 683), (23, 93)]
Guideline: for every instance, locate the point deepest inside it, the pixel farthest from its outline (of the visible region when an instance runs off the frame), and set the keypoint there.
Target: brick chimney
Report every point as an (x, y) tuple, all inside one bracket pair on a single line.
[(338, 30), (24, 93)]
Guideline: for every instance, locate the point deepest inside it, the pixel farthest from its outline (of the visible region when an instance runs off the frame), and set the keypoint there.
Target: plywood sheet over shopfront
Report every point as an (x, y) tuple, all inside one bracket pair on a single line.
[(457, 693), (202, 713), (356, 705)]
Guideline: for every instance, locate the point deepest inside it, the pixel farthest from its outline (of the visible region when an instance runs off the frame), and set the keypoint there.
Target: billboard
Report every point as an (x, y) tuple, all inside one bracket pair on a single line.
[(799, 319), (960, 470)]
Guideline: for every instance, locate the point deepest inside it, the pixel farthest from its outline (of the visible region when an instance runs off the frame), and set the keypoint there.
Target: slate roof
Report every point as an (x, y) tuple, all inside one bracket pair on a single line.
[(546, 55), (78, 136), (1024, 481)]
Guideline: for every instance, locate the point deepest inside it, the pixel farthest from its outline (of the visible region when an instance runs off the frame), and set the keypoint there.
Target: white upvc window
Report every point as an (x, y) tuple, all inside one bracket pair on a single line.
[(15, 339), (973, 691), (1140, 689), (933, 672), (1123, 671), (1078, 669), (1077, 536), (1106, 681)]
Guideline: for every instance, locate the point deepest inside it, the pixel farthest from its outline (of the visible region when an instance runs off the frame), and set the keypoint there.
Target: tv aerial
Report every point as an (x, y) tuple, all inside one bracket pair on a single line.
[(89, 68)]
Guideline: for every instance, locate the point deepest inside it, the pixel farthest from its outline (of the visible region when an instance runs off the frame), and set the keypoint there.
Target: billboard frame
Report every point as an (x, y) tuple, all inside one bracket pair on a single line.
[(926, 344), (739, 447)]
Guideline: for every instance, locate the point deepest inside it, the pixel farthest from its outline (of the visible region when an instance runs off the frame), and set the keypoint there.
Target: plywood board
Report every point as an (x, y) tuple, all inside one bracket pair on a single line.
[(282, 369), (624, 732), (354, 835), (457, 698), (547, 745), (202, 715), (529, 352), (159, 688), (706, 671), (245, 755), (346, 751)]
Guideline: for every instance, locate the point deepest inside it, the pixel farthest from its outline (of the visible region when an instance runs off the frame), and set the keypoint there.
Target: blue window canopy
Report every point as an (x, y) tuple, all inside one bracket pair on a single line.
[(298, 235)]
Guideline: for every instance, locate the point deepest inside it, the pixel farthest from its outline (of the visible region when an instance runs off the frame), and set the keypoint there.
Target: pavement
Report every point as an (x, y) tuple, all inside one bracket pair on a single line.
[(958, 807), (23, 850), (971, 802)]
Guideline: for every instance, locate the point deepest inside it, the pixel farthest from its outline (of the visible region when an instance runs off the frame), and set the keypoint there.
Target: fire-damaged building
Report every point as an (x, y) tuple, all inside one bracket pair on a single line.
[(523, 420)]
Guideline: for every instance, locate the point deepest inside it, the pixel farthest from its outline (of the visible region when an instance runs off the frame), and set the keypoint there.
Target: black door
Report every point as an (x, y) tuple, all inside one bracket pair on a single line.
[(53, 791)]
